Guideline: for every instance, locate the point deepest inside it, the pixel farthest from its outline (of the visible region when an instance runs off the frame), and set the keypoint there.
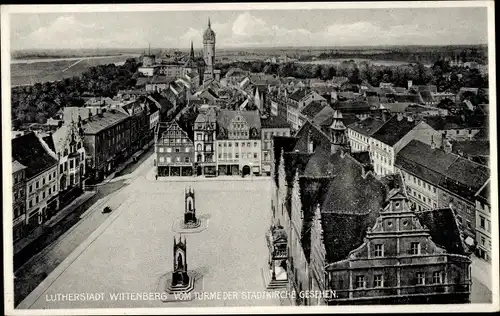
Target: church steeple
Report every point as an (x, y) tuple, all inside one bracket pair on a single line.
[(191, 54), (209, 23)]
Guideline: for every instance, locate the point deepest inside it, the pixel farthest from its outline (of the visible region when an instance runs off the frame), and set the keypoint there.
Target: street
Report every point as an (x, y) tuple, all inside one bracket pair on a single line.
[(74, 229)]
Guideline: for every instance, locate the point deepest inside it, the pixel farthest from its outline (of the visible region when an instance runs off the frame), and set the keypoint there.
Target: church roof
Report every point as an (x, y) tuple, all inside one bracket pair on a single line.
[(209, 34)]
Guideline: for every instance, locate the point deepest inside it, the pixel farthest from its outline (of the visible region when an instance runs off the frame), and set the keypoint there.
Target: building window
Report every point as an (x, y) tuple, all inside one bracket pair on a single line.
[(236, 144), (161, 149), (37, 184), (378, 280), (254, 144), (255, 155), (236, 155), (242, 144), (360, 282), (169, 159), (420, 278), (483, 240), (36, 199), (169, 149), (469, 225), (186, 159), (482, 222), (220, 155), (379, 250), (177, 150), (177, 159), (31, 188), (415, 248), (187, 149), (436, 277)]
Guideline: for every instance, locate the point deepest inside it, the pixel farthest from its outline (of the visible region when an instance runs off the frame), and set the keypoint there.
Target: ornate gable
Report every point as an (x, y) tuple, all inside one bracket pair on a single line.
[(318, 250)]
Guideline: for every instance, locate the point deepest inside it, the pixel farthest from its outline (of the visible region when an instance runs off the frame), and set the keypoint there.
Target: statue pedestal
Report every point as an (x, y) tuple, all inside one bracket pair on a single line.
[(179, 282)]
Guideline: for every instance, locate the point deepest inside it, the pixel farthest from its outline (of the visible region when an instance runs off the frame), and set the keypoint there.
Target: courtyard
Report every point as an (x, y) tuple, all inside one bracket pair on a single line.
[(132, 251)]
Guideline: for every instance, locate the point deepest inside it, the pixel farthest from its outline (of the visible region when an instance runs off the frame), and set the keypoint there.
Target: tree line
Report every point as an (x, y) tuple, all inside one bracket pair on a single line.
[(37, 103), (441, 74)]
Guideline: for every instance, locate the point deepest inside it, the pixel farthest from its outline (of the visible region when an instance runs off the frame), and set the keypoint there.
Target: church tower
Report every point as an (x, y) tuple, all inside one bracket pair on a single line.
[(337, 130), (209, 51)]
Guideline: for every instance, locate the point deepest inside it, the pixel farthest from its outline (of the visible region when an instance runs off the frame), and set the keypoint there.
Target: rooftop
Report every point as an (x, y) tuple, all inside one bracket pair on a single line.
[(443, 229), (28, 151), (393, 130), (274, 122), (423, 161), (299, 94), (313, 108), (103, 121), (367, 126), (17, 166)]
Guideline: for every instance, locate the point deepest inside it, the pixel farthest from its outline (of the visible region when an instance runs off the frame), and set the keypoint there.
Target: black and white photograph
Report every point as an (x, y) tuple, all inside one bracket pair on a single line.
[(249, 157)]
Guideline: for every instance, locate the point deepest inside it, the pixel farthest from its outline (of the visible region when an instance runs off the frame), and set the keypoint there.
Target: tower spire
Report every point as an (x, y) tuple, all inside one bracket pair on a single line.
[(209, 23), (192, 51)]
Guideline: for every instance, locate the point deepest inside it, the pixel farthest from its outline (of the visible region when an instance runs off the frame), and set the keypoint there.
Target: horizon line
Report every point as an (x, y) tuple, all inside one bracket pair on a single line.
[(262, 47)]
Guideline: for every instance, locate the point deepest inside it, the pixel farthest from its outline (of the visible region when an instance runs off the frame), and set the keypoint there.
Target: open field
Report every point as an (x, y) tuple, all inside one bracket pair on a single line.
[(33, 71)]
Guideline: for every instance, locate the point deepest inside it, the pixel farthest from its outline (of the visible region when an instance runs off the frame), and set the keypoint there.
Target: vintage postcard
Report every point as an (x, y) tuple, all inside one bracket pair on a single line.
[(249, 158)]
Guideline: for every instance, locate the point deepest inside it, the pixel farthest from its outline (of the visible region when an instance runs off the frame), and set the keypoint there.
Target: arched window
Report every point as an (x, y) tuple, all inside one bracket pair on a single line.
[(198, 147)]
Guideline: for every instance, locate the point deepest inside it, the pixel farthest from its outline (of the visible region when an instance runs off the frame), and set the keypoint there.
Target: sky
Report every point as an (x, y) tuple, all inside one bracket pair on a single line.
[(250, 28)]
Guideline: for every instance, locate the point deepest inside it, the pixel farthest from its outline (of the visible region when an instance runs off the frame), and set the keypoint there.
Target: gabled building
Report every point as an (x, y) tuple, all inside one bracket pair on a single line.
[(174, 149), (238, 142), (392, 136), (205, 128), (41, 178), (67, 144)]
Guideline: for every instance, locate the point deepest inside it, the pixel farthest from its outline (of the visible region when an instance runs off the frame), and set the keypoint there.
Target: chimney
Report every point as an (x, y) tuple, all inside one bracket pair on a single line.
[(333, 95), (384, 116), (433, 144), (447, 146)]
